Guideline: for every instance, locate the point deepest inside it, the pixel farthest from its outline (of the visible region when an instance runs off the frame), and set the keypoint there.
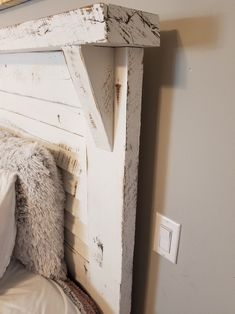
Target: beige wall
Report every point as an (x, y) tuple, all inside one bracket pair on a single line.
[(187, 153)]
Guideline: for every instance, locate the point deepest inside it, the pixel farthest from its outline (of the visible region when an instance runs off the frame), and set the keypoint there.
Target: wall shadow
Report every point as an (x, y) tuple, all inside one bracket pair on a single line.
[(159, 68), (165, 67), (196, 32)]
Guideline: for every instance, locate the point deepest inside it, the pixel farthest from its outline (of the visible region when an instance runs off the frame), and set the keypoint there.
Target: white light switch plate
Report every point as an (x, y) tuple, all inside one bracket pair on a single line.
[(167, 235)]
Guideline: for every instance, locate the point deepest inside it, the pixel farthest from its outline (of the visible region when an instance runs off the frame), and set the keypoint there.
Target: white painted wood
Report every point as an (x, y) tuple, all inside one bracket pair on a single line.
[(43, 96), (57, 115), (107, 232), (31, 75), (115, 197), (49, 133), (96, 24), (93, 81)]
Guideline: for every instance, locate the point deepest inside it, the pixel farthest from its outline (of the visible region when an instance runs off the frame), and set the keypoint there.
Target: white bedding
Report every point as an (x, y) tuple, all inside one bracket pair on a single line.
[(22, 292)]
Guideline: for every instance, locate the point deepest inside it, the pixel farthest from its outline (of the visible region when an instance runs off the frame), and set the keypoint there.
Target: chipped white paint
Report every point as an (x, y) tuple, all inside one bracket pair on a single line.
[(58, 115), (113, 25), (93, 81), (114, 177), (107, 25), (75, 101), (34, 77)]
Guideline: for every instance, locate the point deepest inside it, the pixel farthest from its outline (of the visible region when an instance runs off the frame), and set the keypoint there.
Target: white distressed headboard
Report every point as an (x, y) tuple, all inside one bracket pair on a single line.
[(74, 81)]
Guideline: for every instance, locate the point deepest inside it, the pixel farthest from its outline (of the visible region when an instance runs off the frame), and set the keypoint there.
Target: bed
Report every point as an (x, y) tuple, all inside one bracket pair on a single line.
[(24, 292), (72, 82)]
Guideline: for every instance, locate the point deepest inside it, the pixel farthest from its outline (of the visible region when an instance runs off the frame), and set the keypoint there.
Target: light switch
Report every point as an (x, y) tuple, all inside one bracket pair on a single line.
[(167, 235)]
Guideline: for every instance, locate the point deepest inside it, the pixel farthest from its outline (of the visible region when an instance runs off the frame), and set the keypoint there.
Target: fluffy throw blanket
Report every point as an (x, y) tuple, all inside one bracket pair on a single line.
[(39, 205), (40, 213)]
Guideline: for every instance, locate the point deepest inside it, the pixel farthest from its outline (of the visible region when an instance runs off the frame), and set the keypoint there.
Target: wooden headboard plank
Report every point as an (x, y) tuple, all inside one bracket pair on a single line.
[(72, 205), (76, 226), (108, 25), (78, 266), (93, 79), (101, 185), (48, 133), (100, 270), (103, 24), (31, 75), (70, 182), (58, 115), (130, 181), (78, 245)]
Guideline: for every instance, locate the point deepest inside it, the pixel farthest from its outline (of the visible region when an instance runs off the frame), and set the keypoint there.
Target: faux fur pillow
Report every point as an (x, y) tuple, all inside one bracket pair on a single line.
[(7, 218), (39, 205)]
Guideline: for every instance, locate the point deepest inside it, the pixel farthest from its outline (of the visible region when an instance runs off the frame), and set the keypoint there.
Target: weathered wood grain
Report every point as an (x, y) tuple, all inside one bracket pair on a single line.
[(70, 182), (43, 76), (96, 24), (133, 122), (58, 115), (105, 83), (107, 178), (76, 244), (102, 180), (93, 81), (72, 205), (68, 141), (78, 266), (76, 226), (64, 158)]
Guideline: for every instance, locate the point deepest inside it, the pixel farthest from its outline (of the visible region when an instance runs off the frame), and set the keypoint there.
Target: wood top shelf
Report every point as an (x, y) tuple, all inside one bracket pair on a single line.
[(98, 24)]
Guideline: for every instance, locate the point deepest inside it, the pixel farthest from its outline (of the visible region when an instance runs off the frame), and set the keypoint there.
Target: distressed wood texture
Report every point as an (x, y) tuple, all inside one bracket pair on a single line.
[(100, 184), (133, 121), (107, 25), (75, 101), (112, 228), (34, 77), (93, 82), (27, 100)]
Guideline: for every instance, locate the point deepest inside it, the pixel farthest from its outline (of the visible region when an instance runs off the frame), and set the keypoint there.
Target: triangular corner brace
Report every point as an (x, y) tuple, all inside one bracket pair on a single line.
[(92, 72)]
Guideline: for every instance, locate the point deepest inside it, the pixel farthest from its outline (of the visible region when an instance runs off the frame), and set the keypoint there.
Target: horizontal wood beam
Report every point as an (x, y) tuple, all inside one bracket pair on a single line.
[(98, 24)]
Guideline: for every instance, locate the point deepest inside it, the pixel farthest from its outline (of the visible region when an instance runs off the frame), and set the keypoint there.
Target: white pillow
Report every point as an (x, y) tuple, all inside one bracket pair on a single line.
[(7, 218)]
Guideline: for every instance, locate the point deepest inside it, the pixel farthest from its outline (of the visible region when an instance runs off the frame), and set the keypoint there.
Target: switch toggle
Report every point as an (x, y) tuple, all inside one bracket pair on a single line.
[(167, 235)]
